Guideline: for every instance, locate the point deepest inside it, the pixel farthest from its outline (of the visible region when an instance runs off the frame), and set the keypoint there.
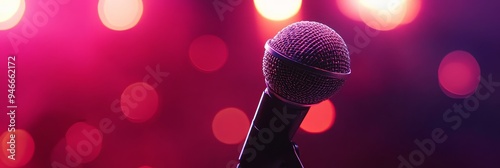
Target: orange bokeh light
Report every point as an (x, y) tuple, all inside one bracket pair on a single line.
[(24, 147), (230, 125), (349, 8), (319, 118), (413, 11)]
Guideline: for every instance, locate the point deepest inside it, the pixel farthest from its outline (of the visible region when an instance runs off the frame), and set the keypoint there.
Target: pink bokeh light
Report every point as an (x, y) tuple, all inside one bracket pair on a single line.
[(84, 142), (139, 102), (459, 74), (208, 53)]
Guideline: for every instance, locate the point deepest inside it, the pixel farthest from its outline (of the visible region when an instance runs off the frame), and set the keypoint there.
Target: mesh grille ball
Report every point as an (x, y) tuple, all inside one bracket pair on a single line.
[(312, 44)]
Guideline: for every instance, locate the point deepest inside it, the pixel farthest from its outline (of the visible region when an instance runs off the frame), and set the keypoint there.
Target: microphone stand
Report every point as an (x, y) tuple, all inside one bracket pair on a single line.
[(291, 158), (288, 158)]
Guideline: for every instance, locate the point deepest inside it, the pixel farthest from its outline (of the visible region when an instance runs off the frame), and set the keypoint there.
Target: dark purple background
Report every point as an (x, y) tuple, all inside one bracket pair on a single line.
[(74, 68)]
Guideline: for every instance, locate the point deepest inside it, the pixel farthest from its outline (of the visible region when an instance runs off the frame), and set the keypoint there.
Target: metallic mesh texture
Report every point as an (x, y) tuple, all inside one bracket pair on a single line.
[(313, 44)]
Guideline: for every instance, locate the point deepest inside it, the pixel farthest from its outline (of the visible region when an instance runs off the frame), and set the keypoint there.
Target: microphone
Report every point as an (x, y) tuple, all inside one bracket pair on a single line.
[(304, 64)]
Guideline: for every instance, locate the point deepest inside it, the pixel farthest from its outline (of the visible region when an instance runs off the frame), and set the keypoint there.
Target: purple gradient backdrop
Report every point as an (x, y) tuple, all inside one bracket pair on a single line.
[(74, 68)]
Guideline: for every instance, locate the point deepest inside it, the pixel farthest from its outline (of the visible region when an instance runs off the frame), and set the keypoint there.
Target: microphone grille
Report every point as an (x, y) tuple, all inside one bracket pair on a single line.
[(312, 44)]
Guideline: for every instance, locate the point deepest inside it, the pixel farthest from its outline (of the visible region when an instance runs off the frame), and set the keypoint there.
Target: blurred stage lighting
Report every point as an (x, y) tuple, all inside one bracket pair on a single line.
[(120, 15), (459, 74), (277, 10), (11, 12), (412, 11), (84, 140), (24, 147), (230, 125), (208, 53), (139, 102), (383, 15), (349, 8), (320, 118)]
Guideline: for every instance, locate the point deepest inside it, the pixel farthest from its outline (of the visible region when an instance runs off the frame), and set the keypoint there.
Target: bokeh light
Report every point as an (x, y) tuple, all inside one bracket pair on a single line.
[(11, 12), (349, 8), (459, 74), (383, 14), (230, 125), (268, 28), (120, 14), (23, 145), (139, 102), (278, 10), (319, 118), (208, 53), (84, 142), (412, 11)]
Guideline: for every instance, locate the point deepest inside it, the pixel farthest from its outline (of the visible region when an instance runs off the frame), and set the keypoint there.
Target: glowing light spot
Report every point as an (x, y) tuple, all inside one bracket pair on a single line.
[(278, 10), (459, 74), (413, 11), (208, 53), (11, 12), (383, 14), (349, 8), (84, 142), (23, 145), (319, 118), (230, 126), (139, 102), (120, 14), (145, 167)]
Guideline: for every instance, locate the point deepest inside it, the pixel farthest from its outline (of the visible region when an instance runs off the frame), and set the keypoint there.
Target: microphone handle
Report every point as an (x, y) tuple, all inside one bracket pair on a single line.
[(268, 143)]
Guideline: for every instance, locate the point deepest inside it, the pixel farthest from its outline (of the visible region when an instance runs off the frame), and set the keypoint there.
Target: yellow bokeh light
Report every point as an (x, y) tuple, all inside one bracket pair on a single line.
[(11, 12), (120, 14), (383, 14), (413, 11), (349, 8), (278, 10)]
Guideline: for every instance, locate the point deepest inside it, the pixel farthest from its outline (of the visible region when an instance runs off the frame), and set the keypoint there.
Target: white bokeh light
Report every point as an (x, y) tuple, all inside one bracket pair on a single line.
[(120, 14), (11, 12), (278, 10), (383, 15)]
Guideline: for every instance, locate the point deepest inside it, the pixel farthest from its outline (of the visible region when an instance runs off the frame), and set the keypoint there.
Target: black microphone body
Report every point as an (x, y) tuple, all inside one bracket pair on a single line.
[(304, 64), (268, 143)]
